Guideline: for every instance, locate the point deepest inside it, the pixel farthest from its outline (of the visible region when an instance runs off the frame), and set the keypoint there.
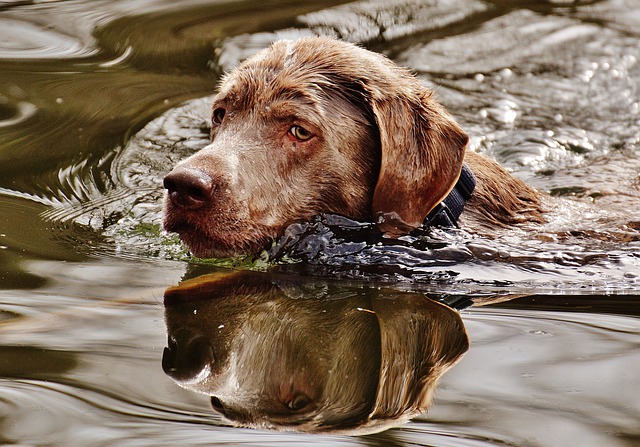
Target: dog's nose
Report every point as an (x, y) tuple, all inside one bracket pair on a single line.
[(189, 188), (186, 356)]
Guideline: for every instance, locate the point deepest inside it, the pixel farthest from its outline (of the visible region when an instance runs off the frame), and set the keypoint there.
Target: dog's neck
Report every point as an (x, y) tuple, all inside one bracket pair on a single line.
[(447, 212)]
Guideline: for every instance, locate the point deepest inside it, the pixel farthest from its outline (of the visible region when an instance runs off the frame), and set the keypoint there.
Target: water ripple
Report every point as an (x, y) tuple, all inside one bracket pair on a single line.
[(517, 260), (13, 114), (24, 40), (502, 45)]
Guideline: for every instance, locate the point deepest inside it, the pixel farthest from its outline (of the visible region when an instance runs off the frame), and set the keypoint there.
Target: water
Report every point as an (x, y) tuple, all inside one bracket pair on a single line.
[(99, 99)]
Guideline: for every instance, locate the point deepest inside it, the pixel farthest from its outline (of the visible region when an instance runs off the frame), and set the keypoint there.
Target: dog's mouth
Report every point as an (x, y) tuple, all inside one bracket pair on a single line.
[(201, 243), (216, 240), (198, 241)]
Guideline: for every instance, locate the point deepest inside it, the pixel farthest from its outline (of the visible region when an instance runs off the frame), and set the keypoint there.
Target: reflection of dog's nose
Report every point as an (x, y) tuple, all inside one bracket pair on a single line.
[(189, 188), (186, 357)]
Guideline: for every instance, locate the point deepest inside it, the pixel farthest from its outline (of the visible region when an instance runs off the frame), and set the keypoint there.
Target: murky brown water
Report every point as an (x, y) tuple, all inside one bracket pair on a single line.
[(99, 98)]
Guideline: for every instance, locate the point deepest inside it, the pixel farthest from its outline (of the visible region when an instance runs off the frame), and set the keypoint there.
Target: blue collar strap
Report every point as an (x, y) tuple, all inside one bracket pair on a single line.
[(447, 212)]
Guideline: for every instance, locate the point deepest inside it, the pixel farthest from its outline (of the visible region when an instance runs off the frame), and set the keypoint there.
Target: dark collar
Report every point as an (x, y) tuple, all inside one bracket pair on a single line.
[(447, 212)]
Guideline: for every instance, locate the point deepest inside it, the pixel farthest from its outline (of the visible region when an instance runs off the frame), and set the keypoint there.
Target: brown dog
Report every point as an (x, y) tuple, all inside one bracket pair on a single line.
[(322, 126)]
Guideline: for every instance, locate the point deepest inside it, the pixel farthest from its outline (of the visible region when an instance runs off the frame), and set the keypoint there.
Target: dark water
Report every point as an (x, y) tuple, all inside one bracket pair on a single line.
[(99, 99)]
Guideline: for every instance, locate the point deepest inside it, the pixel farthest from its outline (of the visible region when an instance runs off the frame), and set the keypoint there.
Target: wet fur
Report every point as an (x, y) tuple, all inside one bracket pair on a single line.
[(384, 150)]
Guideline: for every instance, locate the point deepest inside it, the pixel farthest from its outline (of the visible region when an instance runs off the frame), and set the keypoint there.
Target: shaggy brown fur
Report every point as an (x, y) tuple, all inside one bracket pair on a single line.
[(322, 126)]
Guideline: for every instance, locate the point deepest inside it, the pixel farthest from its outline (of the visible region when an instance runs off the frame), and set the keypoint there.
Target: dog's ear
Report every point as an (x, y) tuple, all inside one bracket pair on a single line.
[(422, 150), (420, 340)]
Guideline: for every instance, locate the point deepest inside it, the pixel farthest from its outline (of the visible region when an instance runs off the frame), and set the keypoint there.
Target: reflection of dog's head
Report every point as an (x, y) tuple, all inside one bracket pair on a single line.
[(309, 363)]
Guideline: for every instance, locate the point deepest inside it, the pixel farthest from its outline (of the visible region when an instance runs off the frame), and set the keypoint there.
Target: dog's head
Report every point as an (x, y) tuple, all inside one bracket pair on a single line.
[(308, 127)]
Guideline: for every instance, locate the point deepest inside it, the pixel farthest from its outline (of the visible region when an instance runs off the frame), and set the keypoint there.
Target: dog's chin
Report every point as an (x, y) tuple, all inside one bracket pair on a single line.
[(208, 249), (205, 244)]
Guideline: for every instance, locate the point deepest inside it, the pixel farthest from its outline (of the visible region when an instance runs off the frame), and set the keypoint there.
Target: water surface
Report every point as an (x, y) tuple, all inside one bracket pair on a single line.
[(99, 99)]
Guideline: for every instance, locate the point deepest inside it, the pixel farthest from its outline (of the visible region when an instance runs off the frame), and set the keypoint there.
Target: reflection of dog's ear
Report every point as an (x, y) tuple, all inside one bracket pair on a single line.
[(219, 285), (421, 339)]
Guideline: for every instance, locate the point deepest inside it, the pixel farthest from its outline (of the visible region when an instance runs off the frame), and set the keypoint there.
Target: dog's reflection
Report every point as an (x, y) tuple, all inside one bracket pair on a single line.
[(308, 356)]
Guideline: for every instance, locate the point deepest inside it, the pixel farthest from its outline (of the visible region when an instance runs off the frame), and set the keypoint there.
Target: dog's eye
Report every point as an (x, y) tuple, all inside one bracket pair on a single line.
[(299, 402), (218, 115), (217, 404), (300, 133)]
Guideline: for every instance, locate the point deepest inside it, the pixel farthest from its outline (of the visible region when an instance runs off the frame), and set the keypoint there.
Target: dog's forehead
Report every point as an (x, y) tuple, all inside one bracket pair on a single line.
[(285, 70)]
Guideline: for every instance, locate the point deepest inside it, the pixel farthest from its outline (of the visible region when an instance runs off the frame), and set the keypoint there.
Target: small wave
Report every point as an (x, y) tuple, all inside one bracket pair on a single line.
[(518, 259), (24, 40), (13, 114)]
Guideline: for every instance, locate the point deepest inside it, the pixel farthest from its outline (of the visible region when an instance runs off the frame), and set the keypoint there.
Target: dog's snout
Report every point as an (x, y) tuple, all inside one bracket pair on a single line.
[(187, 356), (189, 188)]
